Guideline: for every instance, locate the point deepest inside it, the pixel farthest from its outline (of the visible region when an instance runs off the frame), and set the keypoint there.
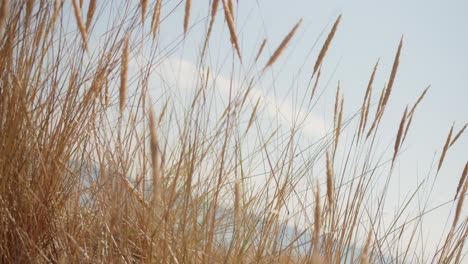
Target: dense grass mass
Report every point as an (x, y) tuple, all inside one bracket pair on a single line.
[(97, 167)]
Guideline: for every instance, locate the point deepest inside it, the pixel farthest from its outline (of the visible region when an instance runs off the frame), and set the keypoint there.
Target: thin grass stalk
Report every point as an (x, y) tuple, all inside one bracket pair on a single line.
[(155, 20), (326, 45), (214, 10), (401, 127), (252, 116), (364, 105), (282, 45), (260, 50), (4, 12), (124, 73), (462, 180), (315, 84), (444, 150), (232, 29), (396, 62), (457, 136), (330, 184), (90, 14), (81, 25), (154, 159), (188, 4), (143, 7)]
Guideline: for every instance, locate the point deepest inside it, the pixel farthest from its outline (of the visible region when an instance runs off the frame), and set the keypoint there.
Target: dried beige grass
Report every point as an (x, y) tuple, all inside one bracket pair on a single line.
[(460, 202), (188, 5), (365, 105), (232, 29), (4, 12), (338, 126), (283, 45), (317, 219), (387, 90), (315, 84), (124, 73), (231, 8), (396, 62), (378, 113), (335, 109), (444, 150), (156, 18), (419, 100), (411, 113), (326, 45), (365, 252), (81, 25), (260, 50), (214, 10), (154, 157), (29, 9), (330, 187), (237, 201), (143, 6), (366, 115), (457, 136), (399, 135), (252, 116), (90, 13), (462, 180)]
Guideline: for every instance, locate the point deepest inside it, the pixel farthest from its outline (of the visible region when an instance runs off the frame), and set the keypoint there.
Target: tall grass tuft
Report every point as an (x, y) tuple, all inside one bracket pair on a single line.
[(104, 160)]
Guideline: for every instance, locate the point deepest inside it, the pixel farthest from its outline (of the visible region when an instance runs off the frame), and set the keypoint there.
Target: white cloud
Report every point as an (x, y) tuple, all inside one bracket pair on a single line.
[(182, 76)]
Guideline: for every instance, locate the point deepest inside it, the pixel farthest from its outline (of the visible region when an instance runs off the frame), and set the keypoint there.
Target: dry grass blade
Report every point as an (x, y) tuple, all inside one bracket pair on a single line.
[(317, 220), (396, 62), (163, 112), (315, 84), (444, 150), (260, 50), (232, 29), (252, 116), (386, 91), (143, 6), (124, 73), (460, 204), (335, 111), (364, 107), (3, 12), (330, 185), (462, 180), (188, 5), (81, 25), (378, 113), (29, 9), (246, 94), (338, 127), (237, 201), (156, 18), (282, 46), (90, 13), (411, 113), (365, 252), (154, 157), (457, 136), (326, 45), (419, 100), (399, 135), (231, 8), (214, 10), (366, 114)]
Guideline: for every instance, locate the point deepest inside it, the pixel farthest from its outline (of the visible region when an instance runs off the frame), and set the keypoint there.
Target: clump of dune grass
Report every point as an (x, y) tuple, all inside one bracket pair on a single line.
[(96, 169)]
